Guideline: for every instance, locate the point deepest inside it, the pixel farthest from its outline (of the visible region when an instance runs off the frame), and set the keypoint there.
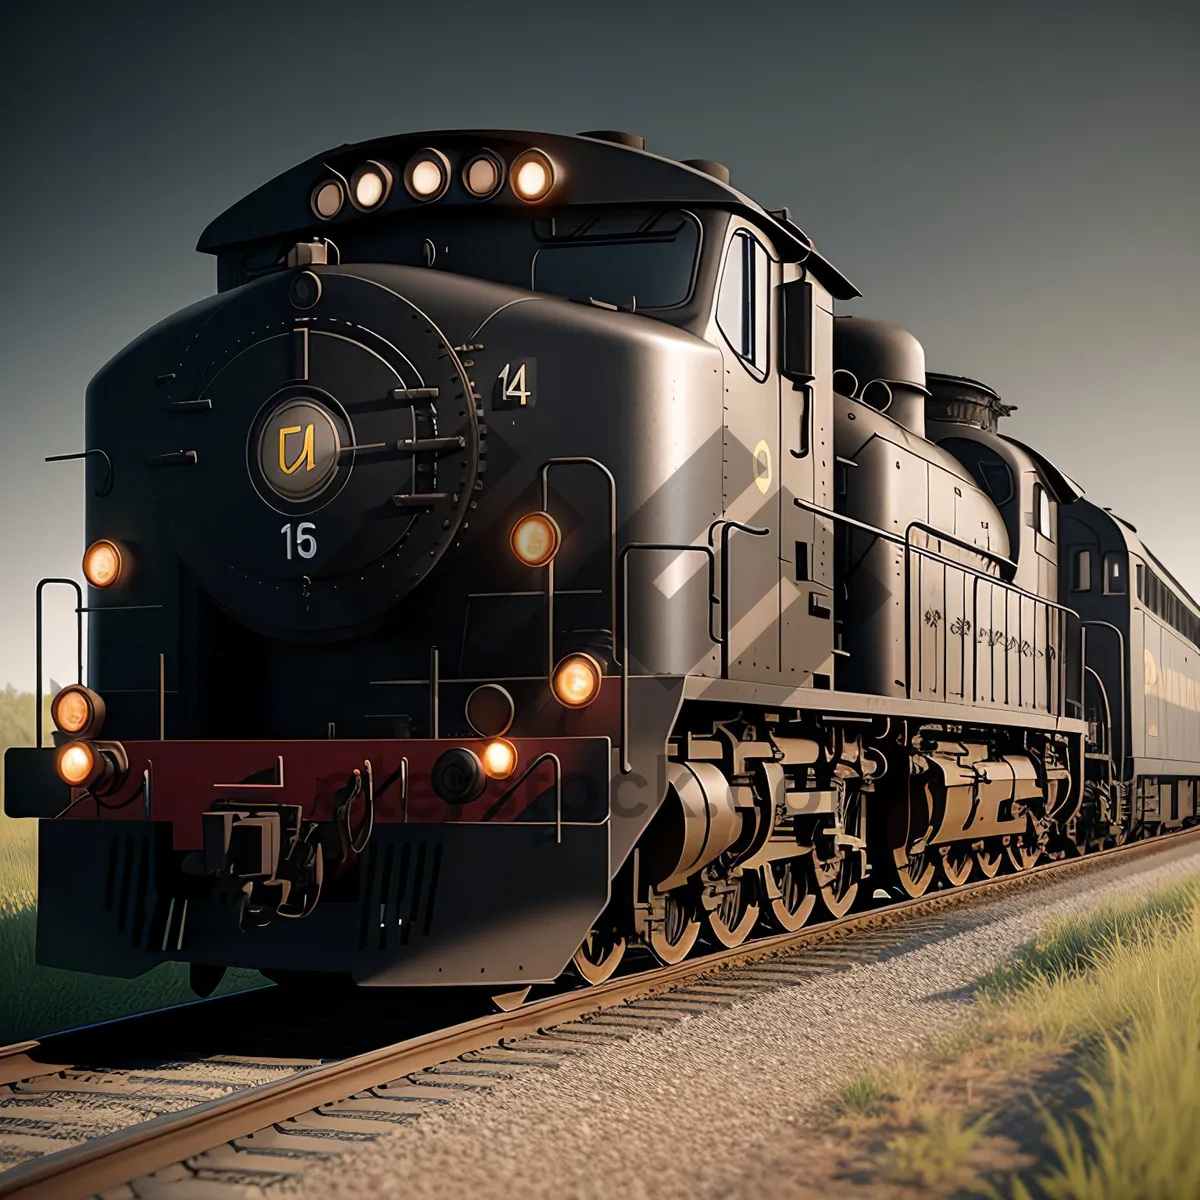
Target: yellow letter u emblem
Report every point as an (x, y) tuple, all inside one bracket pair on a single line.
[(306, 452)]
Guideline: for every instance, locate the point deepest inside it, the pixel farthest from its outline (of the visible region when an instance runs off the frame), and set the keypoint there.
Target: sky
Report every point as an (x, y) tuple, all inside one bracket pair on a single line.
[(1016, 183)]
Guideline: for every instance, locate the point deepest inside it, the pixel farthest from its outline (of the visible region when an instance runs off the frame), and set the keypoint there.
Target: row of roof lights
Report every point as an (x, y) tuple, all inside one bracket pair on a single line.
[(427, 177)]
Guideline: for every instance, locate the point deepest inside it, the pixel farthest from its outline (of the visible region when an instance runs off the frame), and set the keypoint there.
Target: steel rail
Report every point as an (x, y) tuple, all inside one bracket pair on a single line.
[(112, 1160)]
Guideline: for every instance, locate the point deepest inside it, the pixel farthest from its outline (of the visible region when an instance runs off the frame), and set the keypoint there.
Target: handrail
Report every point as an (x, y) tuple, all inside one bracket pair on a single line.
[(714, 600), (623, 574), (37, 700), (435, 685), (897, 540), (727, 527), (941, 535), (1121, 661), (996, 581), (544, 475), (1007, 586), (547, 756), (1107, 709), (105, 487)]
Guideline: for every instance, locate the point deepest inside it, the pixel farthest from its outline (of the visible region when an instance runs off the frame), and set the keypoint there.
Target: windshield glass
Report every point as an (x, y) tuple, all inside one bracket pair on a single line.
[(635, 259)]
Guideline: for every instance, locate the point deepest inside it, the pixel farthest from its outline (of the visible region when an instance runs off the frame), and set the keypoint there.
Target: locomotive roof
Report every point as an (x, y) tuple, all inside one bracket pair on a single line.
[(596, 172)]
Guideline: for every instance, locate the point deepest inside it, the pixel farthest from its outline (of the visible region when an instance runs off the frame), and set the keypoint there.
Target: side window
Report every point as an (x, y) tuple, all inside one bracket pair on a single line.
[(1114, 575), (1041, 503), (1081, 571), (1141, 587), (744, 301)]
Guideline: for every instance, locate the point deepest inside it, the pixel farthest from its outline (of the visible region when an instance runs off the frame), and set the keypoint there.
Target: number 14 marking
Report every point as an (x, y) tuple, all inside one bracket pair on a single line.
[(516, 390)]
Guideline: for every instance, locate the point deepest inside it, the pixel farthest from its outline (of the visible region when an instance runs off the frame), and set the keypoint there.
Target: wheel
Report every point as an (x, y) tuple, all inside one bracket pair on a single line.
[(914, 872), (910, 826), (958, 860), (204, 979), (988, 860), (737, 913), (791, 898), (1021, 853), (599, 955), (675, 929), (837, 881)]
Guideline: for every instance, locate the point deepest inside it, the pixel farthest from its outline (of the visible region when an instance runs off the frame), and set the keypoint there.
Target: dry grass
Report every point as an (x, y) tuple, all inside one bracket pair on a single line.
[(1113, 1000), (1130, 993), (18, 863), (937, 1148)]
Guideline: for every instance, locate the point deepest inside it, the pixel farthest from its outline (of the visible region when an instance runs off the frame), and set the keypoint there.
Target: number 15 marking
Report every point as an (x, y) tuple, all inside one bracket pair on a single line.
[(305, 540)]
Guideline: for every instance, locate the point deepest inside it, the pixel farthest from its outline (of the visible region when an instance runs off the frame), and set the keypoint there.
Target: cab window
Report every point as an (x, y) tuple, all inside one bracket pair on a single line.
[(744, 301), (1042, 519), (631, 258)]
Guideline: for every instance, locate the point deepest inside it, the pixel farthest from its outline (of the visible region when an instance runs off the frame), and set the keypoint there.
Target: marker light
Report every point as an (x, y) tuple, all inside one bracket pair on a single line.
[(102, 563), (77, 710), (576, 681), (427, 175), (490, 710), (76, 764), (535, 539), (370, 185), (327, 199), (458, 776), (532, 176), (483, 175), (500, 759)]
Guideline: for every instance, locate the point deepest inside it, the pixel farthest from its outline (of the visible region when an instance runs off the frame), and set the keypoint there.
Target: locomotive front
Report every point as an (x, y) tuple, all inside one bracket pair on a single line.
[(354, 665)]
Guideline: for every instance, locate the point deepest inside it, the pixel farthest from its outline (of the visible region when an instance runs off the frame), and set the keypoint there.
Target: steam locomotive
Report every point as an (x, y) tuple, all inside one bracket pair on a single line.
[(517, 563)]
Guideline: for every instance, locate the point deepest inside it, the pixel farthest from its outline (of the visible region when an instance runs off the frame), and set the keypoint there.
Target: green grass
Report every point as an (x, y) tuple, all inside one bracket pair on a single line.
[(1112, 998), (1125, 985), (863, 1096), (35, 1000), (937, 1148), (1090, 977)]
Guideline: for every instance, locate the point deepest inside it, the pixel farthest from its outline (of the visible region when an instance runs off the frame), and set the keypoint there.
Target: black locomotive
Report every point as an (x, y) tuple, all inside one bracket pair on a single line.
[(517, 561)]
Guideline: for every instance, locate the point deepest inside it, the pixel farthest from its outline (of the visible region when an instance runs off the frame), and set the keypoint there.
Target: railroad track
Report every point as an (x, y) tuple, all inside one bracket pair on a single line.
[(243, 1108)]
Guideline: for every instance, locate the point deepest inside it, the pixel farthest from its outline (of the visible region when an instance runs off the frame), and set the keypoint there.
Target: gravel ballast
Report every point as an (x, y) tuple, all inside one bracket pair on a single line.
[(709, 1106)]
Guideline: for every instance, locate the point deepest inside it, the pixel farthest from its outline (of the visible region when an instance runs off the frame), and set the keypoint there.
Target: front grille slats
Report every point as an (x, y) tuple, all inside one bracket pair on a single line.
[(399, 893)]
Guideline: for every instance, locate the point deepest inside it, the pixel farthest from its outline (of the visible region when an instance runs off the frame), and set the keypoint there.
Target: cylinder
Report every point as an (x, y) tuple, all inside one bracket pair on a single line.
[(696, 822)]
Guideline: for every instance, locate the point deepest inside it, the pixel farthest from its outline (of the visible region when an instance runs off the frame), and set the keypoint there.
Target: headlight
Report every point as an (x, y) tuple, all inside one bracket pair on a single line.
[(103, 563), (78, 710), (535, 539), (370, 185), (483, 175), (76, 764), (576, 680), (532, 176), (327, 199), (500, 759), (97, 766), (427, 175)]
